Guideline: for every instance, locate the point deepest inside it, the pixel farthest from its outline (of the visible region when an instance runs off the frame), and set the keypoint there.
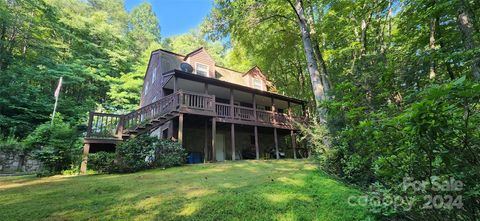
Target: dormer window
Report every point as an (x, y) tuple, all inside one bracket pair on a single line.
[(201, 69), (257, 84)]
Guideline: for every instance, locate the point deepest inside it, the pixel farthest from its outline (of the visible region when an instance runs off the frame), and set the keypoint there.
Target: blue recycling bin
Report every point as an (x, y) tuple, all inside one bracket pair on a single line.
[(194, 157)]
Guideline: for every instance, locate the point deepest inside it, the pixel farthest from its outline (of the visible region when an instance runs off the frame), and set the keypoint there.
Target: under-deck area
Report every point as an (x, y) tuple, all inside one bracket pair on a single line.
[(206, 139)]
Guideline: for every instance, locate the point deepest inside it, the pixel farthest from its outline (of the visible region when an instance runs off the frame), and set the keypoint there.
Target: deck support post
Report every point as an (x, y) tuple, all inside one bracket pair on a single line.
[(205, 149), (83, 166), (180, 129), (214, 132), (276, 142), (232, 128), (294, 144), (257, 150)]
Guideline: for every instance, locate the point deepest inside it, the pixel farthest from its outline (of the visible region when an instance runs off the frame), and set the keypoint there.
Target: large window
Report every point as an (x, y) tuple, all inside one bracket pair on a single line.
[(257, 84), (201, 69)]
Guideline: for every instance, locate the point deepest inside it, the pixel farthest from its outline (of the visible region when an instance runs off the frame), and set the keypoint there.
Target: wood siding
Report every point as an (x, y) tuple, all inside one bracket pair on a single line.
[(201, 56)]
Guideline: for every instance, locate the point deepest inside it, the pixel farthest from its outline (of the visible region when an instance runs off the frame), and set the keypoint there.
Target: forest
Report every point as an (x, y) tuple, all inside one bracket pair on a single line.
[(393, 85)]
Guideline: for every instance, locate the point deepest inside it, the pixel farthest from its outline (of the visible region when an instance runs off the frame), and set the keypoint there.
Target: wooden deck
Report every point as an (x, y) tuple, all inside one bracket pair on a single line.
[(114, 127)]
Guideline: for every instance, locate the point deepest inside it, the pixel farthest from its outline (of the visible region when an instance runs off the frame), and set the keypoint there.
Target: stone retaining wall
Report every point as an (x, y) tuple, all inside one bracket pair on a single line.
[(17, 162)]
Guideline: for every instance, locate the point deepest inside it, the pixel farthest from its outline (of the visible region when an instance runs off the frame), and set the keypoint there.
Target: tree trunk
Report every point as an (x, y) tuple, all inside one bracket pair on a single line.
[(318, 53), (317, 84), (466, 28)]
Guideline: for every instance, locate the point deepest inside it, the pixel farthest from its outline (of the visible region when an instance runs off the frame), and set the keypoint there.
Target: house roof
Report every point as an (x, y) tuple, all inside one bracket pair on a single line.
[(214, 81), (193, 52)]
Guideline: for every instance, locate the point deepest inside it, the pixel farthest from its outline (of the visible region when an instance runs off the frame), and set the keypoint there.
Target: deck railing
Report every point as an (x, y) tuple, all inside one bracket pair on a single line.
[(151, 111), (247, 114), (196, 101), (223, 110), (243, 113), (102, 125)]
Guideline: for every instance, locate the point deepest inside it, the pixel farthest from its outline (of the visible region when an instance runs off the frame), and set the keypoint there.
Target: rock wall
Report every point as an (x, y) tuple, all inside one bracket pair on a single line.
[(17, 162)]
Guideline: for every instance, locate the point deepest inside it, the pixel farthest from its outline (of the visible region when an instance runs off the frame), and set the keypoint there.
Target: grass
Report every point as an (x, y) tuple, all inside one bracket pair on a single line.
[(243, 190)]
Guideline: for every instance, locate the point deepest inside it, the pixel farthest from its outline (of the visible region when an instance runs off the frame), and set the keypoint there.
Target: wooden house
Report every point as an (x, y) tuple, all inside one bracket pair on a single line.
[(215, 112)]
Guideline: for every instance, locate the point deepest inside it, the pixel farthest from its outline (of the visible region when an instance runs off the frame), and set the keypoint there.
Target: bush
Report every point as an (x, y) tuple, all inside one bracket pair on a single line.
[(11, 144), (169, 153), (134, 153), (145, 152), (57, 146), (102, 162)]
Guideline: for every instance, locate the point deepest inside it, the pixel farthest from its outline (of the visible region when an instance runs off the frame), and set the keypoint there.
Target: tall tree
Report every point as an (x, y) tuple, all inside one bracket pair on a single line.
[(317, 78)]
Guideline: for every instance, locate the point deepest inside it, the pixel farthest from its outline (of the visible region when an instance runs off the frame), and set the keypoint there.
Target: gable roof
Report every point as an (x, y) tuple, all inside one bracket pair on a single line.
[(194, 52), (255, 70)]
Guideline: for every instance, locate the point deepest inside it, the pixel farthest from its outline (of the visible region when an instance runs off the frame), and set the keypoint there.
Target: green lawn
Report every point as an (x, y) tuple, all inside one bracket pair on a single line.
[(243, 190)]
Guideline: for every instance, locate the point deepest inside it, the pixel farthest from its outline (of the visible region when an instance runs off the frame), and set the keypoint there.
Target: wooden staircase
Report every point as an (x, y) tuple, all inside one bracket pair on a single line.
[(147, 118)]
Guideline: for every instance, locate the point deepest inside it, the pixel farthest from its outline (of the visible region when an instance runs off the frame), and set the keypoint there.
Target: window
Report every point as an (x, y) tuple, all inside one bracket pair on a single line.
[(154, 74), (165, 133), (146, 88), (257, 84), (201, 69)]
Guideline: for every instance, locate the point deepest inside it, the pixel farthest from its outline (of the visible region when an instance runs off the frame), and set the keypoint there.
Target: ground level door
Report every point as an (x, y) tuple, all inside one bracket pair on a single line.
[(220, 147)]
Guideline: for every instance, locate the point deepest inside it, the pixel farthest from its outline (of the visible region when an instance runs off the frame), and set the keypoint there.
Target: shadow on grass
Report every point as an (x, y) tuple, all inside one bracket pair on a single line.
[(245, 190)]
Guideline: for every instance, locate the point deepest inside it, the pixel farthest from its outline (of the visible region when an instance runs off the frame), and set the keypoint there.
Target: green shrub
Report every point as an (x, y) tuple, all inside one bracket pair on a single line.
[(169, 153), (143, 152), (132, 154), (102, 162), (11, 144), (57, 146)]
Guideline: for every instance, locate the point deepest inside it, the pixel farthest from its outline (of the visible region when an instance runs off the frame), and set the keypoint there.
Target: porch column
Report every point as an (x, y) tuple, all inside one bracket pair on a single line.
[(180, 129), (205, 149), (254, 108), (276, 142), (273, 111), (83, 166), (231, 104), (257, 150), (175, 84), (294, 144), (214, 132), (232, 128), (289, 111)]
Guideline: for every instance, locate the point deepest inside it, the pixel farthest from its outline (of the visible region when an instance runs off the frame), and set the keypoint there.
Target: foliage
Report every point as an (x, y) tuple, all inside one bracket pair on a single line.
[(102, 162), (144, 152), (57, 146), (438, 135), (11, 144), (283, 189), (169, 153), (93, 44)]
